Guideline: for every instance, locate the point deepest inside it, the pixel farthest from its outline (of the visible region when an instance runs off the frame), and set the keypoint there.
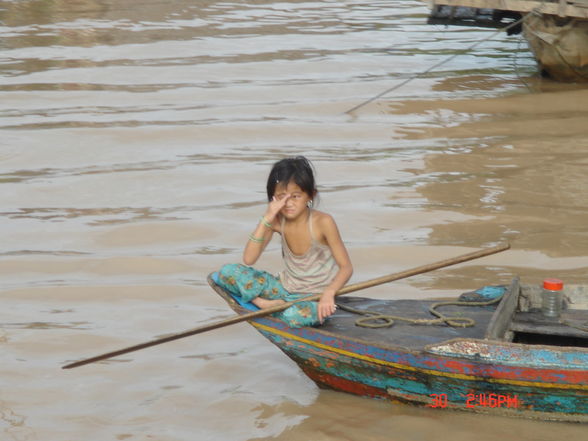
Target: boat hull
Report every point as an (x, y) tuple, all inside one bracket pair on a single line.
[(479, 375), (561, 49), (556, 31), (432, 380)]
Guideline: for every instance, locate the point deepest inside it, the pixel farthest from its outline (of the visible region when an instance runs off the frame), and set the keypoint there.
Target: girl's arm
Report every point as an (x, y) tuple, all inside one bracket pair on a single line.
[(329, 229), (257, 242), (262, 235)]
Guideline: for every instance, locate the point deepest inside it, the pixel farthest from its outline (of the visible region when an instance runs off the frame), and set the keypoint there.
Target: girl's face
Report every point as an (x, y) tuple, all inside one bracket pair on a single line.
[(296, 200)]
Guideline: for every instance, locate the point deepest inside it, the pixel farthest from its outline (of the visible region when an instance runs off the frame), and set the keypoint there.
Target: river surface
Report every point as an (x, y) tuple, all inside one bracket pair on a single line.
[(136, 137)]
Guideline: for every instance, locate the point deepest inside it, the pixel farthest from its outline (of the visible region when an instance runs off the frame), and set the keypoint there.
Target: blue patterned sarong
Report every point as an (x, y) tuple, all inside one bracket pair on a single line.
[(247, 283)]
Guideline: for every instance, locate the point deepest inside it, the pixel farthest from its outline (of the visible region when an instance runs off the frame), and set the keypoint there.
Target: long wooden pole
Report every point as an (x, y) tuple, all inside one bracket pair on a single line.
[(264, 312)]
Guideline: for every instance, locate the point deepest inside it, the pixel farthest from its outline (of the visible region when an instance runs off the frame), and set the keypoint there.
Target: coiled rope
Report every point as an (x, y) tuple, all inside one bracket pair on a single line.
[(375, 319)]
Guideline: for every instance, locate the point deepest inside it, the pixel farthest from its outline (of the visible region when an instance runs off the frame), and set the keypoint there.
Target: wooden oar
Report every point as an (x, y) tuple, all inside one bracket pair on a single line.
[(268, 311)]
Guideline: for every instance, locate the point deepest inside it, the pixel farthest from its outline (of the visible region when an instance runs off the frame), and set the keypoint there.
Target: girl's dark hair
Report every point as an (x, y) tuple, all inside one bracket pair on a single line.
[(297, 169)]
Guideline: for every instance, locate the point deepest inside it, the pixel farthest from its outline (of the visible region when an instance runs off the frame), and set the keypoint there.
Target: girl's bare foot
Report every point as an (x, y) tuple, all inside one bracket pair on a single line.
[(266, 303)]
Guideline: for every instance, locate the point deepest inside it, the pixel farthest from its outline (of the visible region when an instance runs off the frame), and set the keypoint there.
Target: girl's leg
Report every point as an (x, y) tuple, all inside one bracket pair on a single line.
[(262, 303), (252, 285), (265, 290), (300, 314)]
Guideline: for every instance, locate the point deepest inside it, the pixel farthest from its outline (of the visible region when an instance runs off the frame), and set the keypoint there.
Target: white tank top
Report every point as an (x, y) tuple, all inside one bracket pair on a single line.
[(310, 272)]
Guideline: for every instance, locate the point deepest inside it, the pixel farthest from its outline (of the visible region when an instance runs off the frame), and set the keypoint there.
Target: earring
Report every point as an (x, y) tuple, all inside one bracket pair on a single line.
[(309, 204)]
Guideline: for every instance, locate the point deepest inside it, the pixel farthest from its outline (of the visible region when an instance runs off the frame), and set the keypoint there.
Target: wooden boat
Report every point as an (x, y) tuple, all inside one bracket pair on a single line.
[(556, 30), (512, 362)]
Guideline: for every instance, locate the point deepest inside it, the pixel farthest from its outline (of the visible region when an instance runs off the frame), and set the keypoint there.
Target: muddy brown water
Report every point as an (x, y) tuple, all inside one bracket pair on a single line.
[(135, 141)]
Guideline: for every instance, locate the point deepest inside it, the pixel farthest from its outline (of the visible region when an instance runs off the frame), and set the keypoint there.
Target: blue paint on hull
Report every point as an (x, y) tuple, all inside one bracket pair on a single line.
[(470, 374), (410, 375)]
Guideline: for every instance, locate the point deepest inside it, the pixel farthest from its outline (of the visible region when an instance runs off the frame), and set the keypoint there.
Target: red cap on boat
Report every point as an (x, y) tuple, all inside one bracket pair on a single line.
[(553, 284)]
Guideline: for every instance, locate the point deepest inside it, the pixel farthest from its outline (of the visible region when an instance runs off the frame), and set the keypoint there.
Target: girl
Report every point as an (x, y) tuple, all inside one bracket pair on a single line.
[(315, 257)]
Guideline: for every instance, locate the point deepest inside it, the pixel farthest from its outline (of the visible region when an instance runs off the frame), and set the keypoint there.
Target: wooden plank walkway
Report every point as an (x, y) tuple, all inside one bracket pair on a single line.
[(561, 8)]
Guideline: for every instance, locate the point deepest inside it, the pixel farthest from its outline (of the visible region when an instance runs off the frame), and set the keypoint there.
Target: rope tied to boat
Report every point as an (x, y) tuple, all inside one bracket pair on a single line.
[(375, 319), (519, 22)]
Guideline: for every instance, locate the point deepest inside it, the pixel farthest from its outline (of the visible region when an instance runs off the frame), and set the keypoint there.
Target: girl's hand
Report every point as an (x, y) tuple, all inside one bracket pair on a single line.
[(275, 206), (326, 305)]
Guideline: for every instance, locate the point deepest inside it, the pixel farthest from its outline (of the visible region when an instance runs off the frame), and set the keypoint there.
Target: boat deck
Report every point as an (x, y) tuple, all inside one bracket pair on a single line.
[(514, 317), (403, 334)]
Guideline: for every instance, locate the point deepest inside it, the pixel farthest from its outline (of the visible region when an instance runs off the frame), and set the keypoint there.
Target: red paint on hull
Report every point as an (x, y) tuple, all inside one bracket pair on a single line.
[(341, 384), (481, 371)]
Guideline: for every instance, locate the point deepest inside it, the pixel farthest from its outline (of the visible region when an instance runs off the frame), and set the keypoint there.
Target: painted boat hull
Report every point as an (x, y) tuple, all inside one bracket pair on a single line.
[(468, 374)]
